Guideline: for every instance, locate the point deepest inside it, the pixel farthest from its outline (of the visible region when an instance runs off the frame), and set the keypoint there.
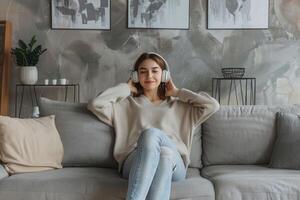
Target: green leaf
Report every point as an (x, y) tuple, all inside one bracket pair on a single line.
[(37, 50), (44, 50), (32, 42), (22, 44)]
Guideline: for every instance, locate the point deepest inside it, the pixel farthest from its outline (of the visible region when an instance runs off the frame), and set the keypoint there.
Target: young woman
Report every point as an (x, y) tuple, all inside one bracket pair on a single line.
[(154, 123)]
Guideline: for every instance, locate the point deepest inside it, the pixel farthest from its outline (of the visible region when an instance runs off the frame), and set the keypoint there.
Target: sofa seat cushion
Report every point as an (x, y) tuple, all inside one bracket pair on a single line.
[(91, 184), (245, 182)]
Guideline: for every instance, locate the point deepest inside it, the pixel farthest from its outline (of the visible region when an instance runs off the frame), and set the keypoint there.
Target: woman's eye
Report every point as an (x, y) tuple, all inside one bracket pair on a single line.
[(154, 71)]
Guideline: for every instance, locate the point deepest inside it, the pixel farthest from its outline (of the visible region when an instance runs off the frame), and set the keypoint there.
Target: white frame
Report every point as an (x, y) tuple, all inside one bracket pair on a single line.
[(164, 18), (253, 14), (81, 16)]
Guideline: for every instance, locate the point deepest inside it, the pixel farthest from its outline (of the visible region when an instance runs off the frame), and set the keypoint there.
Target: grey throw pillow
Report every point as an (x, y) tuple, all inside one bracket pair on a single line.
[(87, 141), (287, 146)]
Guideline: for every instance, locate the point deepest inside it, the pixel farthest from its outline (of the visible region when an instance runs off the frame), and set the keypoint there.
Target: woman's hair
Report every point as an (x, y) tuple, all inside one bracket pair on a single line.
[(161, 88)]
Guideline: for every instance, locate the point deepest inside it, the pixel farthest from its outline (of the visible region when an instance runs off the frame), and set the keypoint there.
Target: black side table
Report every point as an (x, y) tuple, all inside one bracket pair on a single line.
[(247, 87), (33, 93)]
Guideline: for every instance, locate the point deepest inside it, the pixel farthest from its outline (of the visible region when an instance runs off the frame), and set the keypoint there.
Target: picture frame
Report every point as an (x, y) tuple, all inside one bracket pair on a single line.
[(238, 14), (81, 14), (158, 14)]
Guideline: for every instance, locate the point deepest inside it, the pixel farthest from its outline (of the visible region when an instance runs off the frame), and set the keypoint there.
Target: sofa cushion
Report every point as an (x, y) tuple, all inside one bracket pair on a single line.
[(28, 145), (241, 134), (287, 146), (240, 182), (86, 140), (91, 184)]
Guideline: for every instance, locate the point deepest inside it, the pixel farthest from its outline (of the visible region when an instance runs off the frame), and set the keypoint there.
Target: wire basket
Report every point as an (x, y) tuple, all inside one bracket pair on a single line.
[(233, 72)]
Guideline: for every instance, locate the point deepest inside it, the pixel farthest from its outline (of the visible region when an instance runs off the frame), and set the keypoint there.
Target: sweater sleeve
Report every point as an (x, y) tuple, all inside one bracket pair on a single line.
[(201, 104), (102, 105)]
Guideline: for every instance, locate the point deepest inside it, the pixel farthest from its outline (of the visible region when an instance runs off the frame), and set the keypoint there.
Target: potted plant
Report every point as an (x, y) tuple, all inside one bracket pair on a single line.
[(27, 56)]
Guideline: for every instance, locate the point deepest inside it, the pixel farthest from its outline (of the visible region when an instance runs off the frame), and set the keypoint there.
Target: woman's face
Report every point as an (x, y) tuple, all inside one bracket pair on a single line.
[(149, 74)]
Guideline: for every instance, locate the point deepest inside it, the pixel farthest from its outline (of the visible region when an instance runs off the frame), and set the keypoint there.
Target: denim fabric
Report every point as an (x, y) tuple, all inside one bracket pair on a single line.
[(152, 166)]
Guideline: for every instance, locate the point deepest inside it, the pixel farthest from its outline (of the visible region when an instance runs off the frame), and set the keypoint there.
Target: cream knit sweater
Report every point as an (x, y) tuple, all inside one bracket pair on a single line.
[(176, 116)]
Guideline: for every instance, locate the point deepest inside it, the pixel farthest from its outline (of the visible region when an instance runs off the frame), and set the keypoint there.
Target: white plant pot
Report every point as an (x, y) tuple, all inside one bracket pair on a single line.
[(28, 75)]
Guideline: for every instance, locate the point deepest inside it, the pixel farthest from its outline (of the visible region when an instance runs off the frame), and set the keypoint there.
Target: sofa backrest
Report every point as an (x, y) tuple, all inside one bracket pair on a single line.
[(241, 134), (86, 141), (89, 142)]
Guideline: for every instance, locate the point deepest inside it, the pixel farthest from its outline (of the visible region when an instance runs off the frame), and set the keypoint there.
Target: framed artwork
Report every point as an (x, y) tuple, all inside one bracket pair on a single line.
[(238, 14), (160, 14), (80, 14)]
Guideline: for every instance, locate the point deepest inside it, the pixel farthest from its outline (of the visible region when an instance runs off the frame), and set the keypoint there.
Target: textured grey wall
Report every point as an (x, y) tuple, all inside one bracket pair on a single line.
[(100, 59)]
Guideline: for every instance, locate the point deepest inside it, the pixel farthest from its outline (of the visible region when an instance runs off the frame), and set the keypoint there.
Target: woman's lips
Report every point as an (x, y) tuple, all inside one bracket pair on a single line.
[(149, 82)]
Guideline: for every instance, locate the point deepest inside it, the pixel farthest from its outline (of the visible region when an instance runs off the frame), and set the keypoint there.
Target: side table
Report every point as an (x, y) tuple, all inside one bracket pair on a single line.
[(246, 87), (33, 93)]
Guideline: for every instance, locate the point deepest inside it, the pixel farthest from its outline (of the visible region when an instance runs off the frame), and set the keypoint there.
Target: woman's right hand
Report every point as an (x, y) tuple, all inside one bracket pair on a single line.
[(133, 89)]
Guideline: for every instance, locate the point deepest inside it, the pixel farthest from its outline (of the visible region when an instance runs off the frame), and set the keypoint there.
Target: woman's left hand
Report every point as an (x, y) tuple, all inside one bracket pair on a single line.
[(171, 89)]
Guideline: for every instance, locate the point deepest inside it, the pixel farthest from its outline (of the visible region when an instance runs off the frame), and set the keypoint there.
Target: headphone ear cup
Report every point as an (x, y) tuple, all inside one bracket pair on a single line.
[(168, 76), (135, 77), (165, 76)]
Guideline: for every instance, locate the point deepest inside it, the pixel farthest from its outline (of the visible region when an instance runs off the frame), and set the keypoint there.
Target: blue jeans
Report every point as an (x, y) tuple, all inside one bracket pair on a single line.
[(152, 166)]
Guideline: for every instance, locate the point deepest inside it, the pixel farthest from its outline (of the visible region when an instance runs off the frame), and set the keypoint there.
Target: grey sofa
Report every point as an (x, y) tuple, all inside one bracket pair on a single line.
[(229, 159)]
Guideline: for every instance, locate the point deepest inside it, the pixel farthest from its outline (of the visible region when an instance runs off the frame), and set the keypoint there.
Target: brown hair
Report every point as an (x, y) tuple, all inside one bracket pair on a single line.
[(161, 92)]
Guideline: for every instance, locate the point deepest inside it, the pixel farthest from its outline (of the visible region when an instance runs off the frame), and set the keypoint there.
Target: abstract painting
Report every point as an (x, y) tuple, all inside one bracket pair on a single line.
[(80, 14), (238, 14), (164, 14)]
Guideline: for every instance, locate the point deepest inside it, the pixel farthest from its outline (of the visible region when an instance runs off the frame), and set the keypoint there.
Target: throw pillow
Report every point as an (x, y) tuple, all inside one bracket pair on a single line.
[(87, 141), (287, 146), (28, 145)]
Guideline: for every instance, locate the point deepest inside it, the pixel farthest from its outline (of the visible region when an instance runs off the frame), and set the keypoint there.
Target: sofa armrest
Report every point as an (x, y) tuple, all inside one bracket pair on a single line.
[(3, 172)]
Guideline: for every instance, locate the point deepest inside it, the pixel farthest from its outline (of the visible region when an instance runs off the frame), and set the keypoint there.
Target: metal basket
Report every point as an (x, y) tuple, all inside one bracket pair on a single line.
[(233, 72)]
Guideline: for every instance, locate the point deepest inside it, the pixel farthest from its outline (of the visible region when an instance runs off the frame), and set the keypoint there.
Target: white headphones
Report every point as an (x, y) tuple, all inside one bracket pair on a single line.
[(165, 76)]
